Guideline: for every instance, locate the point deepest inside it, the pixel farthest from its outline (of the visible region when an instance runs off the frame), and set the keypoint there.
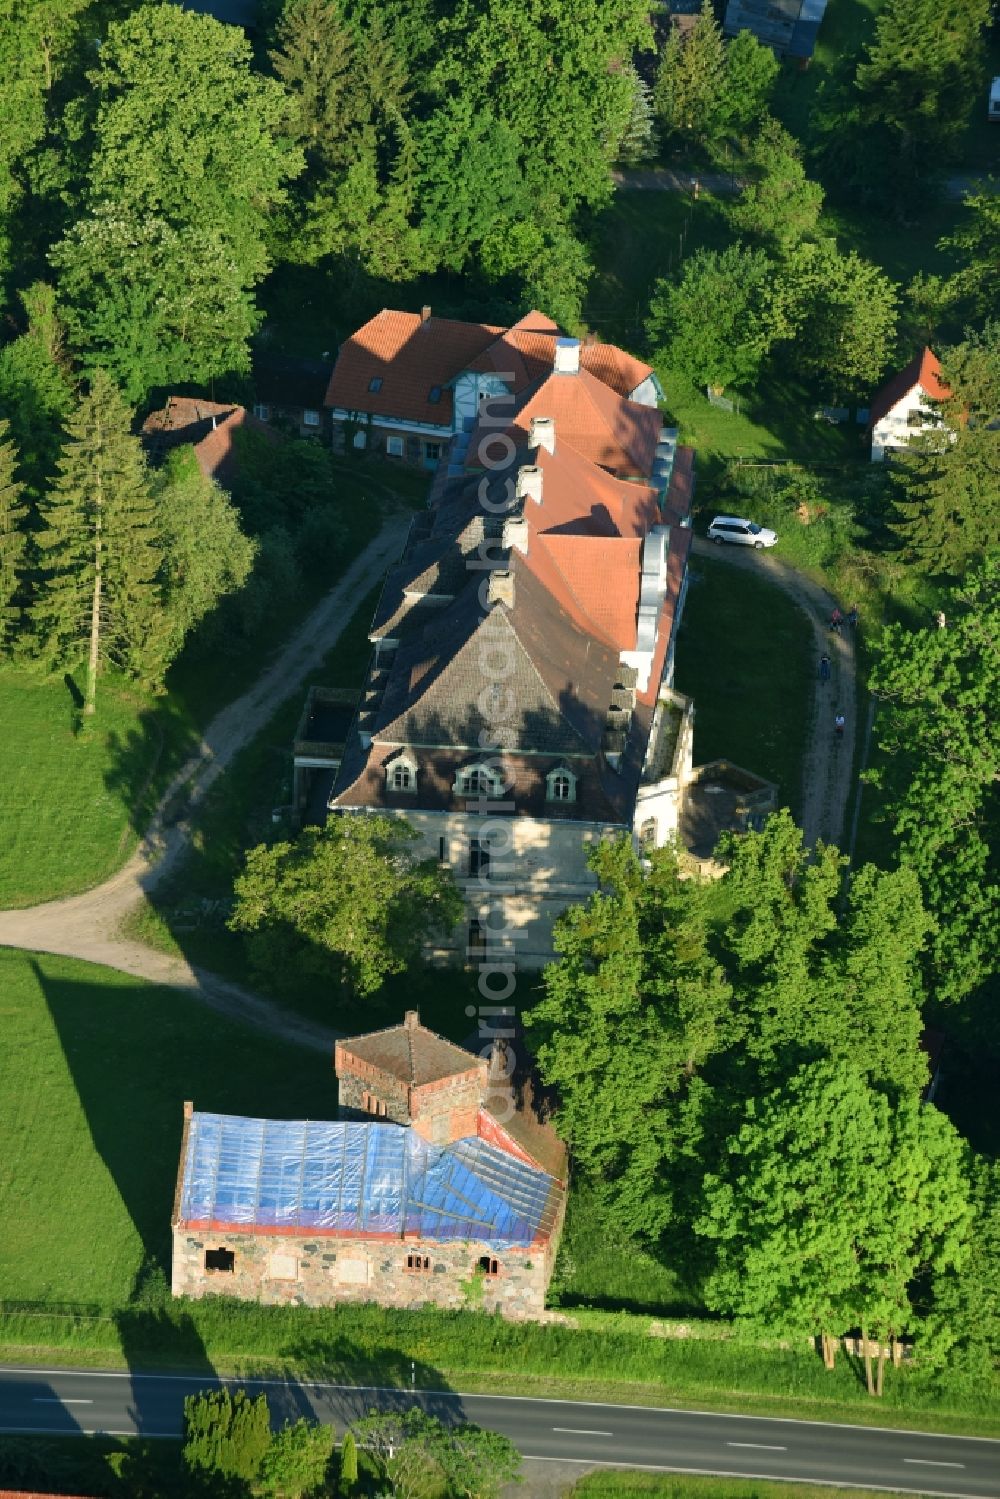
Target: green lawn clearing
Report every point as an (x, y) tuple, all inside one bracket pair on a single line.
[(595, 1269), (625, 1485), (98, 1066), (70, 788), (745, 654)]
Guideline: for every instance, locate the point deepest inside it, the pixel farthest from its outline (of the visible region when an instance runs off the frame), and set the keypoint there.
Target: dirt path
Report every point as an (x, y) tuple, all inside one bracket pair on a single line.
[(88, 925), (827, 772)]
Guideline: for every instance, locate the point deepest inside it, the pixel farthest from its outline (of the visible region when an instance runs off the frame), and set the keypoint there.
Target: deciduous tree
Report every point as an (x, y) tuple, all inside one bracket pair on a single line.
[(751, 71), (718, 321), (185, 164), (346, 901), (297, 1463), (829, 1201), (844, 316), (939, 734)]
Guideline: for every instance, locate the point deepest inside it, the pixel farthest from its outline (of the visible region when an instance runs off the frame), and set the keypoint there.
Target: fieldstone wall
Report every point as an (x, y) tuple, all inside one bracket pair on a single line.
[(355, 1078), (282, 1270)]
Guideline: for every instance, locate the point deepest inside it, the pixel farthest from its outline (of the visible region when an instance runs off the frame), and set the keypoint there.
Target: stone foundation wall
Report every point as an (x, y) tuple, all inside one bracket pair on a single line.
[(283, 1270)]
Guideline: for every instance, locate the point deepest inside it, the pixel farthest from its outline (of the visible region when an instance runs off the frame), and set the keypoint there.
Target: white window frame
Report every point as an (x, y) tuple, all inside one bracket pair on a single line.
[(360, 438), (466, 774), (310, 418), (561, 772), (399, 451), (262, 411), (402, 762)]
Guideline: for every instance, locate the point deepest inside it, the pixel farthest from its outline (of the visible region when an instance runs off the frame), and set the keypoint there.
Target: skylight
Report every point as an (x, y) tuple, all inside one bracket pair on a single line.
[(434, 396), (375, 383)]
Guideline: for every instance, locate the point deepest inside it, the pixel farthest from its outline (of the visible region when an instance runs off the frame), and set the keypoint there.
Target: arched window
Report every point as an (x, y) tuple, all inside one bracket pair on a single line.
[(560, 785), (476, 781), (401, 775)]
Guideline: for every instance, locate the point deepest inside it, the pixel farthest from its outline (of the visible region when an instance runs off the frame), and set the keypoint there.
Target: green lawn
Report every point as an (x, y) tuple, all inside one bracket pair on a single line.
[(97, 1068), (691, 1486), (68, 793), (745, 655)]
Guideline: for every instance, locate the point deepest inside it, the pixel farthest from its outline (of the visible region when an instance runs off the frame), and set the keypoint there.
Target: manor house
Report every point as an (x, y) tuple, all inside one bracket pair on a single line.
[(519, 705)]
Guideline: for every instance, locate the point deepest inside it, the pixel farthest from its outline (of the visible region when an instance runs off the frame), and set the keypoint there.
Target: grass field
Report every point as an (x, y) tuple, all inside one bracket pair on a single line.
[(745, 655), (97, 1068), (690, 1486), (68, 794)]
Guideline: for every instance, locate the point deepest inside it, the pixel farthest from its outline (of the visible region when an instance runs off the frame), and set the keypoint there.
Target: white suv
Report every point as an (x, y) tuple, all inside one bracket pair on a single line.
[(745, 533)]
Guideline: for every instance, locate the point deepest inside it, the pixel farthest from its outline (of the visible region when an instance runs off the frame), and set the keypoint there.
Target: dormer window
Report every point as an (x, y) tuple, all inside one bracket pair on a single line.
[(434, 395), (401, 775), (560, 785), (476, 781), (375, 384)]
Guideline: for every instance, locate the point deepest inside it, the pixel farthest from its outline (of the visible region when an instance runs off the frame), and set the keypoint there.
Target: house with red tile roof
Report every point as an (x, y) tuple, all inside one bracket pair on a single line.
[(905, 405), (406, 383)]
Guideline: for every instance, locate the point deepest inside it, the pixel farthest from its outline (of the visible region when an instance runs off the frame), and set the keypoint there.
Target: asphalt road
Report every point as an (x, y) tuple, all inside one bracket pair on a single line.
[(85, 1401)]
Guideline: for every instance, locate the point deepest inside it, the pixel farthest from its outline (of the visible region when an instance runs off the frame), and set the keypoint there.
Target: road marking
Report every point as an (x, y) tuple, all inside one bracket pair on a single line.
[(56, 1400), (760, 1446), (580, 1431), (205, 1381), (928, 1462)]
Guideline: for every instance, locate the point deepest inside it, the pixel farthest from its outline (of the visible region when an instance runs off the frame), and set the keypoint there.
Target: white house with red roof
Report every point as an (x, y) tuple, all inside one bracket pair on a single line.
[(906, 405), (405, 383)]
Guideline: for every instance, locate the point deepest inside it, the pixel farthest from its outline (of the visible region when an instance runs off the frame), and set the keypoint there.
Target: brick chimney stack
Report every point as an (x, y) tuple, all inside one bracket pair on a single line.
[(425, 313), (411, 1019)]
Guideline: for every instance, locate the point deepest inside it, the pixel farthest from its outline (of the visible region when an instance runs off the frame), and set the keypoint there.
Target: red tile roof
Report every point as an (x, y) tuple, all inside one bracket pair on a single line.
[(599, 578), (924, 369), (411, 355), (602, 426)]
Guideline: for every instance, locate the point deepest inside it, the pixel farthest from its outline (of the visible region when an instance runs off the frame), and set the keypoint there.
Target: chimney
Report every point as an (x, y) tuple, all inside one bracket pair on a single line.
[(542, 433), (214, 422), (567, 360), (501, 589), (411, 1019), (515, 534), (188, 1108), (425, 313), (529, 483)]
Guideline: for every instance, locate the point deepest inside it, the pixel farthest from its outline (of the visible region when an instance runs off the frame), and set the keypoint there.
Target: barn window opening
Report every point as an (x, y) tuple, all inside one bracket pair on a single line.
[(372, 1105), (220, 1259), (418, 1262), (489, 1266)]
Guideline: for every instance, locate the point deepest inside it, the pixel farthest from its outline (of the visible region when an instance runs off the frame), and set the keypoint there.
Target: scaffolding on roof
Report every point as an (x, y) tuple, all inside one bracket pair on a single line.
[(274, 1174)]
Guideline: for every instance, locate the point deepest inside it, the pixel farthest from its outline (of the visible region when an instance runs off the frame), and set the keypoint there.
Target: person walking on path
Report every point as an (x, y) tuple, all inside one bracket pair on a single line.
[(824, 668)]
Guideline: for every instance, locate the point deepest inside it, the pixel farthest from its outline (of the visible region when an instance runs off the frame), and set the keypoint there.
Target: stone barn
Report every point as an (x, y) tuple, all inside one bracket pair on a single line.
[(436, 1186)]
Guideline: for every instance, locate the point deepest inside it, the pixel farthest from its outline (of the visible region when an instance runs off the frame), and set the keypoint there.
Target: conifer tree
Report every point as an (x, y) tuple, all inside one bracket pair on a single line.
[(13, 538), (691, 83), (100, 546)]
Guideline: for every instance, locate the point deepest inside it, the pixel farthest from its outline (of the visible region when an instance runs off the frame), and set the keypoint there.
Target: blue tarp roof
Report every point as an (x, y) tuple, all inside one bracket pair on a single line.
[(358, 1178)]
